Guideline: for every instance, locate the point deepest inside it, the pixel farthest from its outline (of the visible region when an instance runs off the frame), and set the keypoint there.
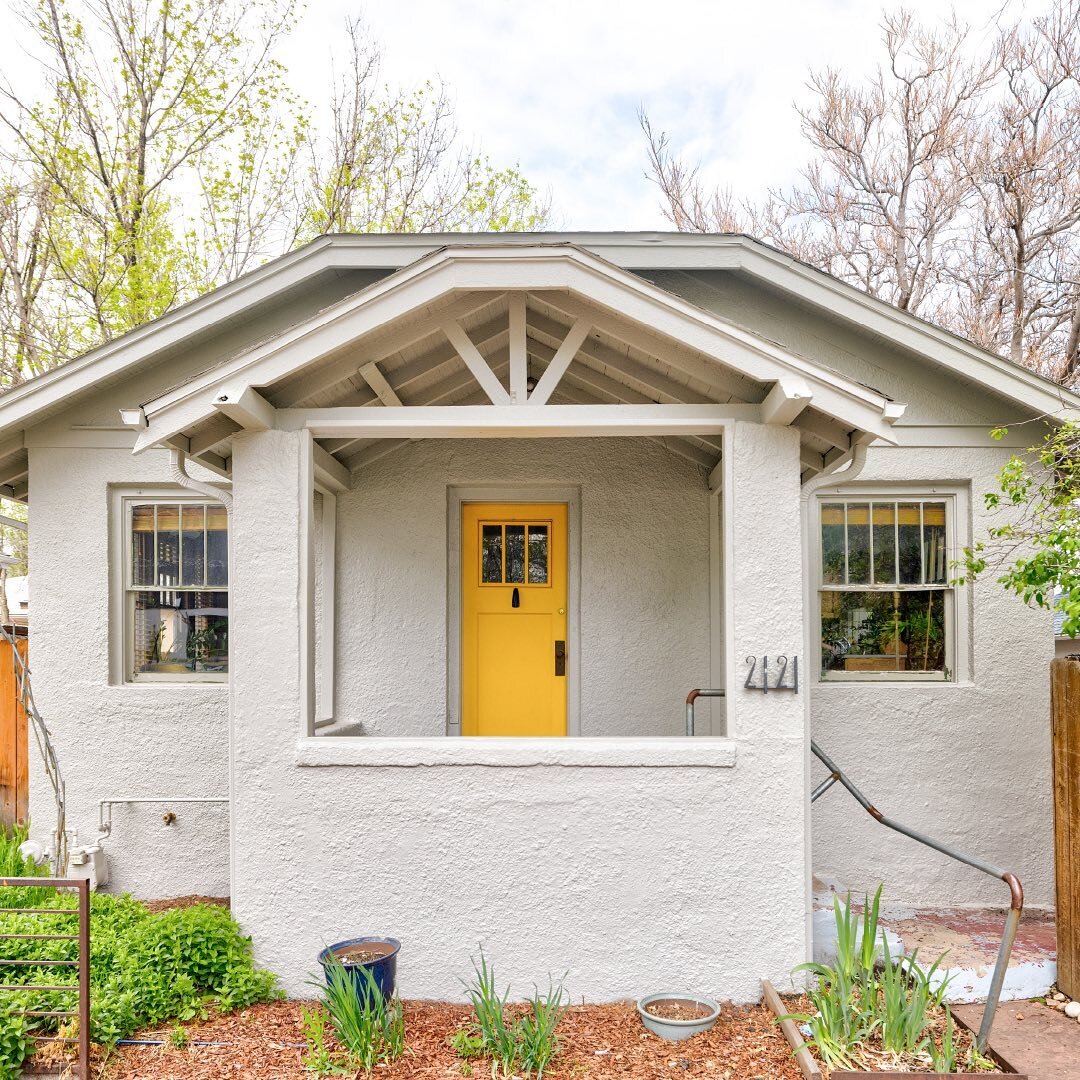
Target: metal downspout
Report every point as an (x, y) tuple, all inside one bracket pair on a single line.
[(178, 472)]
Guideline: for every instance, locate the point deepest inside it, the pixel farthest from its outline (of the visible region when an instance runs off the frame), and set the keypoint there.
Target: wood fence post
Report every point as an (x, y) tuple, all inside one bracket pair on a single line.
[(1065, 728)]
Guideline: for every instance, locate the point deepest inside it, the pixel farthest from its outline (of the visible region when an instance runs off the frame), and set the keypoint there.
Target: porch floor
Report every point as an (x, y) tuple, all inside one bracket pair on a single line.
[(970, 936)]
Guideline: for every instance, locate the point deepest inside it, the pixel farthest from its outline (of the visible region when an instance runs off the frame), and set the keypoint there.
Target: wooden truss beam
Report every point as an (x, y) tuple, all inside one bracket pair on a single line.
[(515, 422)]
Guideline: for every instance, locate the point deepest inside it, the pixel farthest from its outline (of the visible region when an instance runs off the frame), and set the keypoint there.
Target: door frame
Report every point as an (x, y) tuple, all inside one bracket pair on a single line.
[(456, 496)]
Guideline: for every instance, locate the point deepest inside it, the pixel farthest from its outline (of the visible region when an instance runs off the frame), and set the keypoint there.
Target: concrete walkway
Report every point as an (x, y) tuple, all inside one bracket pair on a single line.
[(1030, 1039), (969, 936)]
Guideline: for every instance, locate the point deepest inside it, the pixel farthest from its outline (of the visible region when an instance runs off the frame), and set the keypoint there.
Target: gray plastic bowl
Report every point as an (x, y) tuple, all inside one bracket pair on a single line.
[(677, 1030)]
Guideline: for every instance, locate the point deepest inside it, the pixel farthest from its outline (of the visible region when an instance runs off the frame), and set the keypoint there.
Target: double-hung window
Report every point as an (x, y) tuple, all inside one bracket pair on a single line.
[(886, 605), (176, 590)]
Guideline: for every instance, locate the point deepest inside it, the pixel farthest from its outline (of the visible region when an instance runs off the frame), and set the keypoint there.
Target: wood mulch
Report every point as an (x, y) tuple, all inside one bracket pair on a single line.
[(185, 901), (599, 1042)]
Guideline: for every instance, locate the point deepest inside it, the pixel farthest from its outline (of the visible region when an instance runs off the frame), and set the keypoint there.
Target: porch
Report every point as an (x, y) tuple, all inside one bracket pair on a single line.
[(677, 446)]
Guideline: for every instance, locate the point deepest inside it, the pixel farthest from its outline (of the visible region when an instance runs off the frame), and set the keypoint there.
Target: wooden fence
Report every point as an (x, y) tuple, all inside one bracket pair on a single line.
[(14, 767), (1065, 727)]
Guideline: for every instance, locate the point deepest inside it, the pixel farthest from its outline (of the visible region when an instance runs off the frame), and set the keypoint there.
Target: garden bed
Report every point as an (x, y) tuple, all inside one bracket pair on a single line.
[(601, 1042), (883, 1065)]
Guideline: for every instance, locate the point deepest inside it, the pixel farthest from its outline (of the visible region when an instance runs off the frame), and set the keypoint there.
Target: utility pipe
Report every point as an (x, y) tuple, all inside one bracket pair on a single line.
[(105, 818)]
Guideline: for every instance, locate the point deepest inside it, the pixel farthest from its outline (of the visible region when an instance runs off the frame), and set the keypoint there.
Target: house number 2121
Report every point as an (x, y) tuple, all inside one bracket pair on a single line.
[(781, 674)]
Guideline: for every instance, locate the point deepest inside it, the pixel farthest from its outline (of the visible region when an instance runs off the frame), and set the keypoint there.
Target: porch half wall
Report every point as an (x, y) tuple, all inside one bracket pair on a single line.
[(626, 877)]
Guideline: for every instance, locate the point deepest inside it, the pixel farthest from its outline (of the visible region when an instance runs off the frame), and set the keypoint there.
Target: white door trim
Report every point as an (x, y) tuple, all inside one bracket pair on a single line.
[(456, 496)]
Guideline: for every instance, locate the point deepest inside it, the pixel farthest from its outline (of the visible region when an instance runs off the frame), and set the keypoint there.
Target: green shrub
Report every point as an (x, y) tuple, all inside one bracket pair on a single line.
[(145, 968), (14, 864)]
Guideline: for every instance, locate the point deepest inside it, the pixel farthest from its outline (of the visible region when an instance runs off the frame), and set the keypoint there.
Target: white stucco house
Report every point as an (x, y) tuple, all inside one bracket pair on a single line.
[(386, 570)]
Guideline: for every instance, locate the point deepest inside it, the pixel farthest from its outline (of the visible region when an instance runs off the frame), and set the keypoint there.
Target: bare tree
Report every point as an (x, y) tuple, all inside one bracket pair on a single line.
[(1023, 167), (392, 161)]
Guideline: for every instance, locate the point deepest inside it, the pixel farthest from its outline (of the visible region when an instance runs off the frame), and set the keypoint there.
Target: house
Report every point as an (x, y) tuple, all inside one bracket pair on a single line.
[(369, 590)]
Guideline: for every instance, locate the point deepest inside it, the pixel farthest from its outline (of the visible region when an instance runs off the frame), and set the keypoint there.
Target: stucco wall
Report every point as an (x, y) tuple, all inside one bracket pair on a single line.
[(618, 876), (145, 740), (967, 762), (644, 572)]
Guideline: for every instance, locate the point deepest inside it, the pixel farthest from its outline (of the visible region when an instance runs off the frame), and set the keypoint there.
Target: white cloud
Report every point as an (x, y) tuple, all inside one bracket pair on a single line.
[(555, 85)]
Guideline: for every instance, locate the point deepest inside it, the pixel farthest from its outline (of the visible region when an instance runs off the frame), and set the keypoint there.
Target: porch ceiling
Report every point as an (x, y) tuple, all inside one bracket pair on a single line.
[(548, 343)]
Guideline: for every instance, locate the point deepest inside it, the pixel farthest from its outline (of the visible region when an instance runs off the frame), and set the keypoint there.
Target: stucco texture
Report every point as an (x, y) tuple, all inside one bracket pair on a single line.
[(644, 573), (117, 740), (617, 876), (966, 762)]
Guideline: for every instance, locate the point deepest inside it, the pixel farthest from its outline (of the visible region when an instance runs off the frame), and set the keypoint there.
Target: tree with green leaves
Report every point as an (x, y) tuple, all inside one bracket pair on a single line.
[(168, 155), (1034, 544)]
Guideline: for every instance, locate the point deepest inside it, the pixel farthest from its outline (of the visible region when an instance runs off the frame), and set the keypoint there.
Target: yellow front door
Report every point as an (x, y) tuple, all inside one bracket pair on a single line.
[(513, 633)]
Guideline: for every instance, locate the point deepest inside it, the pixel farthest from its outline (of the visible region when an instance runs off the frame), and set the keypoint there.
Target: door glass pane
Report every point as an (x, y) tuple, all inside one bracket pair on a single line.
[(884, 544), (935, 558), (858, 538), (192, 544), (217, 546), (491, 554), (538, 554), (142, 545), (168, 545), (832, 543), (515, 554), (908, 529)]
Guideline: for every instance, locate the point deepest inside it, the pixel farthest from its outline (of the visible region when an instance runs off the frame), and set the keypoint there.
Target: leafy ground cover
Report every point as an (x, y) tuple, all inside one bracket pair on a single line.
[(145, 967)]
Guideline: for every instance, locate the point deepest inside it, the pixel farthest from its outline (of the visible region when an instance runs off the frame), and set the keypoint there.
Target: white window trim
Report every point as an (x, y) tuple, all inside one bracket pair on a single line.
[(957, 606), (121, 621)]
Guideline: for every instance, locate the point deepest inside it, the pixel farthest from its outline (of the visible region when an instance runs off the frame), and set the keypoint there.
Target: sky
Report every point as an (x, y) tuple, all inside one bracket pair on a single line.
[(555, 85)]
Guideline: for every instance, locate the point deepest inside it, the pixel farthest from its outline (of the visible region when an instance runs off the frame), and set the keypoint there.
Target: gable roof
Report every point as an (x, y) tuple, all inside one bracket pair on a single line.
[(559, 274), (30, 401), (360, 267)]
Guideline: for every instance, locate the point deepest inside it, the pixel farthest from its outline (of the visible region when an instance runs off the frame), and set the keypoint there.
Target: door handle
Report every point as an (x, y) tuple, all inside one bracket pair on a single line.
[(560, 657), (515, 599)]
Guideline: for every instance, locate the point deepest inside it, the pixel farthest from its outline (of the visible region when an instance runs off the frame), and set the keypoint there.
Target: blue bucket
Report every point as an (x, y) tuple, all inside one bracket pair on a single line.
[(383, 967)]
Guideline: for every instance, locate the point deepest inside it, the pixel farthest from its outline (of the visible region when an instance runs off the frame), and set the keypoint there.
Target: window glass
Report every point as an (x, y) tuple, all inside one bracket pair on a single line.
[(178, 603), (538, 554), (832, 543), (515, 554), (193, 545), (885, 593), (895, 630), (491, 554), (858, 543), (935, 558), (909, 518), (142, 545), (884, 518)]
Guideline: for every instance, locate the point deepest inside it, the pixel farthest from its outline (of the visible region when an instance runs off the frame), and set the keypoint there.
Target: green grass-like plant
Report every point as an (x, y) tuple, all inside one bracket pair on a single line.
[(869, 997), (524, 1043), (368, 1026)]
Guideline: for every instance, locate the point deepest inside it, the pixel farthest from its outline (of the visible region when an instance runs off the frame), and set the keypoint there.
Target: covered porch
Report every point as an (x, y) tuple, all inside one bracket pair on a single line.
[(469, 415)]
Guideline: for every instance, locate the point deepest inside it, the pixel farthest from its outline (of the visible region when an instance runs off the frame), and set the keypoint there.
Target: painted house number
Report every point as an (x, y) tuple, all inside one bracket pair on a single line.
[(781, 673)]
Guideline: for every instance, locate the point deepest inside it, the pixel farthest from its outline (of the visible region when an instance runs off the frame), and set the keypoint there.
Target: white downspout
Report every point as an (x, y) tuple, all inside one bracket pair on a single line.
[(855, 460), (178, 472)]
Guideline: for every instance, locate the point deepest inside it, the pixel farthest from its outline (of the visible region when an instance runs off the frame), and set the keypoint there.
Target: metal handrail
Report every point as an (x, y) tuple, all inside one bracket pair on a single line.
[(1016, 891), (691, 701), (82, 888), (46, 749)]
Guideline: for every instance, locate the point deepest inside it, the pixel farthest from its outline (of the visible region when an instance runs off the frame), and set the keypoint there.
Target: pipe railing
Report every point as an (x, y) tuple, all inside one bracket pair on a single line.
[(1016, 892), (691, 701)]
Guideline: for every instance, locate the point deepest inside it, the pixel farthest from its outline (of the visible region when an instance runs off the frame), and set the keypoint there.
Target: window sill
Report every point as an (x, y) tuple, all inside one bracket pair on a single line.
[(450, 750)]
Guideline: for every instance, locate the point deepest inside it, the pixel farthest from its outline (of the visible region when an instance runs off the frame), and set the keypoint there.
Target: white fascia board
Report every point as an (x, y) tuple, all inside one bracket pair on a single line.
[(514, 421), (556, 269)]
